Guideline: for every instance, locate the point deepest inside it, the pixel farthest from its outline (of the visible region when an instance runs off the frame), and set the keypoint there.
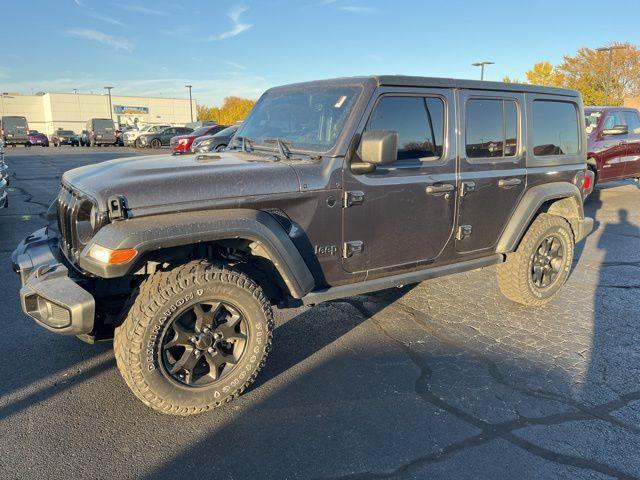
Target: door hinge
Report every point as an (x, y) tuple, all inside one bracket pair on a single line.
[(355, 247), (464, 231), (355, 197), (467, 187)]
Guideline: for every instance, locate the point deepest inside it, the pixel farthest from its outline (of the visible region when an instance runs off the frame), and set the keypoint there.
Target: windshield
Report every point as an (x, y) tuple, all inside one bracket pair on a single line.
[(201, 131), (591, 119), (103, 124), (227, 132), (305, 119), (65, 132), (19, 123)]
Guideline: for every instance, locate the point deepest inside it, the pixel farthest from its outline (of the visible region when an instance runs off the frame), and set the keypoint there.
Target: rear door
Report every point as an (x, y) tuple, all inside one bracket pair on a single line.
[(632, 158), (492, 166), (402, 214)]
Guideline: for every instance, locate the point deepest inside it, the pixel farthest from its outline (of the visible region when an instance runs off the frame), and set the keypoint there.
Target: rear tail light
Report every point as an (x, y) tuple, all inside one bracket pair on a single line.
[(587, 182)]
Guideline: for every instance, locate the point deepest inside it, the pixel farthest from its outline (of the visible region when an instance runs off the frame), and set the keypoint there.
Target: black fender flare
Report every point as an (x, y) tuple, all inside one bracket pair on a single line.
[(147, 234), (531, 203)]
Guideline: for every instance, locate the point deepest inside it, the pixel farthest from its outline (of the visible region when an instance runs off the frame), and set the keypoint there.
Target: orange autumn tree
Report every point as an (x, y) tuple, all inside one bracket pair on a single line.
[(588, 72), (232, 110)]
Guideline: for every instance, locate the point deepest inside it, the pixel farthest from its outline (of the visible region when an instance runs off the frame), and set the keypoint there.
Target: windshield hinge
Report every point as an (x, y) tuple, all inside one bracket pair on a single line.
[(117, 207), (355, 197)]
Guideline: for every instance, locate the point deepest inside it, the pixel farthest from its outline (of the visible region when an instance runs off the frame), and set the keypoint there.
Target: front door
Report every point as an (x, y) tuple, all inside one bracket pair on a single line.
[(613, 148), (402, 214), (492, 166), (632, 156)]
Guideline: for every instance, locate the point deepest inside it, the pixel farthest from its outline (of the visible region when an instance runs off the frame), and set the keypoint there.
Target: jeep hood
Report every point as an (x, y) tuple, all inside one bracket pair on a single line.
[(168, 183)]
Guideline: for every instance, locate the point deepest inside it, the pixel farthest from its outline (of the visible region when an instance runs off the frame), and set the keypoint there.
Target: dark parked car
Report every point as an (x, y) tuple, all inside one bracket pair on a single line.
[(37, 138), (613, 137), (100, 131), (182, 143), (330, 189), (14, 130), (214, 143), (65, 137), (162, 138)]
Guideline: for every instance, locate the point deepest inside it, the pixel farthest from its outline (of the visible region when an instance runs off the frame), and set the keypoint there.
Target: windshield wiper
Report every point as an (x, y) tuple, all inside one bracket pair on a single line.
[(283, 149)]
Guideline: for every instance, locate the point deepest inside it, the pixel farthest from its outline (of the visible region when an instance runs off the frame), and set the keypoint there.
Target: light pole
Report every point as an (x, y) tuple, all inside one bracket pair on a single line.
[(608, 84), (108, 89), (190, 101), (481, 65)]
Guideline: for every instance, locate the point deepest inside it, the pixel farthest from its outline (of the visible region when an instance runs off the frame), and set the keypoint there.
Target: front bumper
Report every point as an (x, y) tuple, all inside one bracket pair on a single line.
[(49, 295)]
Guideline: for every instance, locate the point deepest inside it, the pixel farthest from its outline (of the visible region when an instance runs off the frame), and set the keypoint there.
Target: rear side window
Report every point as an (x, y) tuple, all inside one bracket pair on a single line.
[(555, 128), (491, 128), (632, 120), (419, 122)]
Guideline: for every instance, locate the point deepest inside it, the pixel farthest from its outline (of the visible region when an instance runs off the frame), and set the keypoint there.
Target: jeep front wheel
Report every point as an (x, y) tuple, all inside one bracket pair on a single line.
[(194, 338), (540, 266)]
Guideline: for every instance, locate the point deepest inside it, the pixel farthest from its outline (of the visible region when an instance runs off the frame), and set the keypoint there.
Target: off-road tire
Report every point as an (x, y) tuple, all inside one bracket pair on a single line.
[(158, 301), (514, 275)]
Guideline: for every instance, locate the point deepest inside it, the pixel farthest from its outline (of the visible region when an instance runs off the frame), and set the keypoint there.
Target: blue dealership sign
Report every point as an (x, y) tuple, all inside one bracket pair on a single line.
[(125, 110)]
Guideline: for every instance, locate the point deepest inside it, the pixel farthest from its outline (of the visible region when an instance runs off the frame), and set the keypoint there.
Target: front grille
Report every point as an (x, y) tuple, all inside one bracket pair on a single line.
[(68, 203)]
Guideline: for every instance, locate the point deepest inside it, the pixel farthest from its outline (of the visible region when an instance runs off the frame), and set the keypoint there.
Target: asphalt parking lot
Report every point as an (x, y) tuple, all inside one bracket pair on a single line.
[(443, 380)]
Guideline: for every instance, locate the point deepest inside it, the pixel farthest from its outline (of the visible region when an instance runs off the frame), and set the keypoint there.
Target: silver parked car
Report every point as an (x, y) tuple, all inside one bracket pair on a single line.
[(216, 142), (130, 137)]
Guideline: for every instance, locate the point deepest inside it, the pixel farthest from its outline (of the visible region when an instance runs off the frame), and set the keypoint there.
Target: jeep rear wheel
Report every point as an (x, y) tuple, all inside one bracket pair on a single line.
[(536, 271), (194, 338)]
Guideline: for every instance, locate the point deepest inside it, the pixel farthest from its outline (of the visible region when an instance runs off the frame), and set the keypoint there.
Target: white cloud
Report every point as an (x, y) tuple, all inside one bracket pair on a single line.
[(208, 91), (119, 43), (78, 3), (141, 9), (237, 65), (238, 26), (355, 9), (106, 19)]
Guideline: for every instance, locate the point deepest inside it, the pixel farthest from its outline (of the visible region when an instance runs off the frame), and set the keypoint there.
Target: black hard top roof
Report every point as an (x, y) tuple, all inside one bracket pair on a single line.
[(435, 82)]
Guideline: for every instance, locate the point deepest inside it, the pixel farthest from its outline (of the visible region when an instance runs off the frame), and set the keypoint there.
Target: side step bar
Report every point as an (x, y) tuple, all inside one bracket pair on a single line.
[(332, 293)]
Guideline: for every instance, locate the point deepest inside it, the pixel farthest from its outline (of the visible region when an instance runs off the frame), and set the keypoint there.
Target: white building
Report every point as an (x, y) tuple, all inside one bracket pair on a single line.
[(47, 112)]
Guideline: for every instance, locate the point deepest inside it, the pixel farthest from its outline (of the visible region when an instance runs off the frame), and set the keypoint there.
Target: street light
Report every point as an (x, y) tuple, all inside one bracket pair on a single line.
[(481, 65), (190, 102), (108, 89), (608, 84)]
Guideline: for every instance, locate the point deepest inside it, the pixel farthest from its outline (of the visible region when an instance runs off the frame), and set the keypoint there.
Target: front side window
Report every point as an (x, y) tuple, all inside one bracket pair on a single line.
[(418, 121), (632, 120), (491, 128), (555, 128), (612, 119)]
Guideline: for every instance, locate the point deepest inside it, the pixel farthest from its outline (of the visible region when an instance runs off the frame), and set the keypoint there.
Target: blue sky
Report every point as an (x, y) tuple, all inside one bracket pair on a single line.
[(232, 47)]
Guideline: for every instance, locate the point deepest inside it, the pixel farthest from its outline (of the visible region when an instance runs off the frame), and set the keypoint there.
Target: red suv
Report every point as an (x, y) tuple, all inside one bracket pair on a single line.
[(182, 143), (613, 139)]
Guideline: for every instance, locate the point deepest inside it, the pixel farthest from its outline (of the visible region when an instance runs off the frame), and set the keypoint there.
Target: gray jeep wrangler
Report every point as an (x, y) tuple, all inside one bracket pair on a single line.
[(329, 189)]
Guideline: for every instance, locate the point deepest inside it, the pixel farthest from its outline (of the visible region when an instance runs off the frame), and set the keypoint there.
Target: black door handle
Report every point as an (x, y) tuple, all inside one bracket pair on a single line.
[(509, 182), (439, 189)]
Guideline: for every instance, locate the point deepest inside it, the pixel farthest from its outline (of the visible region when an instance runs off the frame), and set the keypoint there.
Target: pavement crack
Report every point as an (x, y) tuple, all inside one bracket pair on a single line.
[(491, 431)]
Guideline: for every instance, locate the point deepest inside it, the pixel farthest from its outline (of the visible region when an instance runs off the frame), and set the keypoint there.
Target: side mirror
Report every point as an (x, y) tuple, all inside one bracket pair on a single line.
[(616, 130), (377, 147)]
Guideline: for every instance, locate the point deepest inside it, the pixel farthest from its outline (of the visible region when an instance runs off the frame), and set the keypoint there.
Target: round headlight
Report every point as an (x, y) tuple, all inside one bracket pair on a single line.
[(86, 221)]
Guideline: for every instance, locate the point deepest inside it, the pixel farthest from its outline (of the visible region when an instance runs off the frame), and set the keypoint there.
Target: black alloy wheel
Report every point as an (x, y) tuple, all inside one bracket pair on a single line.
[(548, 261), (204, 343)]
